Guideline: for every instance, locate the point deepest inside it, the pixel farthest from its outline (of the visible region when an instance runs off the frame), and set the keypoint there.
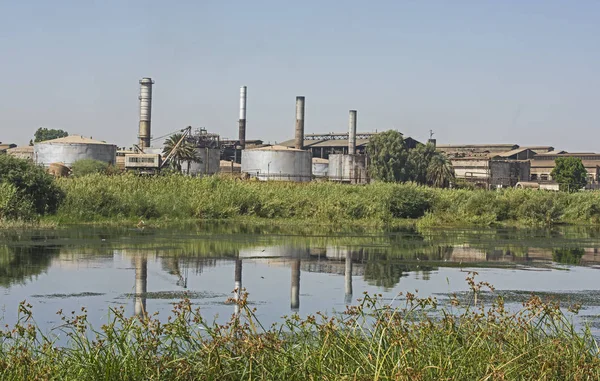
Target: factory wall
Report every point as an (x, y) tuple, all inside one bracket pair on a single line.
[(210, 163)]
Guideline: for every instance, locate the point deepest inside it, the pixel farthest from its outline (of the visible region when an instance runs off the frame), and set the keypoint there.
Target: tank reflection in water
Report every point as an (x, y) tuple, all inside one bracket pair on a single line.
[(284, 269)]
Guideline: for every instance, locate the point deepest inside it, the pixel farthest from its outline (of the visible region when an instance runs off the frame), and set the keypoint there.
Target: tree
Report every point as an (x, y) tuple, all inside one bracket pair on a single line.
[(388, 156), (569, 173), (186, 151), (43, 134), (418, 162), (440, 172)]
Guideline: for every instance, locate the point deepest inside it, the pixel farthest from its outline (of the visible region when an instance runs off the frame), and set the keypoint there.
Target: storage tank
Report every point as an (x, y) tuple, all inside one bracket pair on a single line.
[(320, 167), (277, 163), (70, 149), (210, 162), (348, 168)]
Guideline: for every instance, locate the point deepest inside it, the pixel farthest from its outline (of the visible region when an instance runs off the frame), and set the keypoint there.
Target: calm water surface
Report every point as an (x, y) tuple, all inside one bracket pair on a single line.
[(285, 269)]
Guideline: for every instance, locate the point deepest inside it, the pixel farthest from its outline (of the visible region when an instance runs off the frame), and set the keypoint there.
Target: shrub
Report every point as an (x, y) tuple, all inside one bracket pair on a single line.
[(86, 167), (32, 186)]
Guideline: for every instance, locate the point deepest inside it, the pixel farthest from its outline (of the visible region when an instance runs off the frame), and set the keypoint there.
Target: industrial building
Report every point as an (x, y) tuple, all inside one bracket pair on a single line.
[(543, 164), (323, 145)]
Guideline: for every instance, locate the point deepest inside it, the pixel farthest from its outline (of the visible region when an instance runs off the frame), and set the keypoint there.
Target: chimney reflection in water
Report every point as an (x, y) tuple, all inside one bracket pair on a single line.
[(348, 277), (295, 292), (141, 283), (238, 284)]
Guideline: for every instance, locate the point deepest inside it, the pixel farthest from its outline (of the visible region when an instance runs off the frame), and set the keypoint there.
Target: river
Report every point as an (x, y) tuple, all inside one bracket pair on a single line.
[(285, 269)]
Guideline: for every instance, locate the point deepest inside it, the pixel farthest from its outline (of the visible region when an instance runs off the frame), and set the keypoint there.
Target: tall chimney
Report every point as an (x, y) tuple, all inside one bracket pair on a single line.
[(352, 133), (242, 121), (145, 111), (299, 123)]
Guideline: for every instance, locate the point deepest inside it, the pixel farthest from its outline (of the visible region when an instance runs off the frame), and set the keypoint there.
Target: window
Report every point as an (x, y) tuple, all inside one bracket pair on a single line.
[(544, 177), (534, 176)]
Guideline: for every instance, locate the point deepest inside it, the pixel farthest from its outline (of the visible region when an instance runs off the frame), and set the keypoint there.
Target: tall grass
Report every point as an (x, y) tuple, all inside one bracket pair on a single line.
[(417, 341), (100, 197)]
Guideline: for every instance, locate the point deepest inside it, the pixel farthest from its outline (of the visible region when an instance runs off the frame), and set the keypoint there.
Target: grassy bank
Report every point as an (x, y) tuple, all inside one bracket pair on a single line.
[(417, 341), (101, 198)]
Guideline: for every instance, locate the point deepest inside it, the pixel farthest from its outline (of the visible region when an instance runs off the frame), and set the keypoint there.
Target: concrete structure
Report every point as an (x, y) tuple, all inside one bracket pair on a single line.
[(242, 120), (226, 166), (209, 164), (320, 168), (489, 173), (348, 168), (543, 164), (277, 163), (72, 148), (299, 141), (25, 152), (144, 162), (323, 145), (145, 112)]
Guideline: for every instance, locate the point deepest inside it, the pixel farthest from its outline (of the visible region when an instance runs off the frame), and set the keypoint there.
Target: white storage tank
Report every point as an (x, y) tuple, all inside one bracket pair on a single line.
[(277, 163), (210, 163), (320, 168), (70, 149), (348, 168)]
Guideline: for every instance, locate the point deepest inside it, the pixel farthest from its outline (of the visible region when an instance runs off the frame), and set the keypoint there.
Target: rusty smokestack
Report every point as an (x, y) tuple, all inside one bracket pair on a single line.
[(145, 112), (352, 133), (242, 120), (299, 144)]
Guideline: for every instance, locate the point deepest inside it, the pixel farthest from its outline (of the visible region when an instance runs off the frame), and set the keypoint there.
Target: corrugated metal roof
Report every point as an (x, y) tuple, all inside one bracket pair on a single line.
[(73, 139), (21, 149), (275, 148), (513, 152), (551, 163)]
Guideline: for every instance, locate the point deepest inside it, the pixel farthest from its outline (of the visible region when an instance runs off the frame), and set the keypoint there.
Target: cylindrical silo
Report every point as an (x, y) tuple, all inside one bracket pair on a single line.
[(277, 163), (145, 112), (209, 163), (70, 149), (299, 138)]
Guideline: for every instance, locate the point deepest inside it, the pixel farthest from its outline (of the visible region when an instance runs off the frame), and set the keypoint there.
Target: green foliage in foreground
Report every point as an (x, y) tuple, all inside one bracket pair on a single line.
[(570, 173), (98, 198), (371, 341), (86, 167), (26, 190)]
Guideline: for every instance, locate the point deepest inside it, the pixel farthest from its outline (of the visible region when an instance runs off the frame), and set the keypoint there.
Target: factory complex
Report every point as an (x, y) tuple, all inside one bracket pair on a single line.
[(340, 157)]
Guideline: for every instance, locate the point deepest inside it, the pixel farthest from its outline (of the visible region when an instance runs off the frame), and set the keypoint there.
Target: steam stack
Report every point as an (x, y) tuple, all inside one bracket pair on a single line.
[(242, 121), (352, 133), (299, 144), (145, 112)]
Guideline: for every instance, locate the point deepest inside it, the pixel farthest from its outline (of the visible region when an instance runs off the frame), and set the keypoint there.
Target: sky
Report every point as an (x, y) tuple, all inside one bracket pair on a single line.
[(513, 71)]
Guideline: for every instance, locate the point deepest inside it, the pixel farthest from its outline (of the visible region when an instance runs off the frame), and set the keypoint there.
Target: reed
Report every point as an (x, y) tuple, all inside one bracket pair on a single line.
[(418, 340), (100, 198)]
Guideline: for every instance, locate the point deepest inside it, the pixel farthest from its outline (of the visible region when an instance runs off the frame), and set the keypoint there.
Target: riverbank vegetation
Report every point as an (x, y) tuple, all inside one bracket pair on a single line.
[(177, 197), (28, 194), (416, 340)]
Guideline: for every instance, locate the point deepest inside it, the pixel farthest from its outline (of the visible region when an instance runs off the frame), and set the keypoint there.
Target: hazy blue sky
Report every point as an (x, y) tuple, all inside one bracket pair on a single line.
[(522, 72)]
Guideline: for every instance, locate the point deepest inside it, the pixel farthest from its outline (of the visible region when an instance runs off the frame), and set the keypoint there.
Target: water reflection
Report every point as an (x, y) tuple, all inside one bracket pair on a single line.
[(69, 258), (141, 285)]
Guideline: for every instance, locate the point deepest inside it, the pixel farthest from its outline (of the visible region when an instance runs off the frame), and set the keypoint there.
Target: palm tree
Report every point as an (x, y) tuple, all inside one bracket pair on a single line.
[(440, 172), (186, 151)]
